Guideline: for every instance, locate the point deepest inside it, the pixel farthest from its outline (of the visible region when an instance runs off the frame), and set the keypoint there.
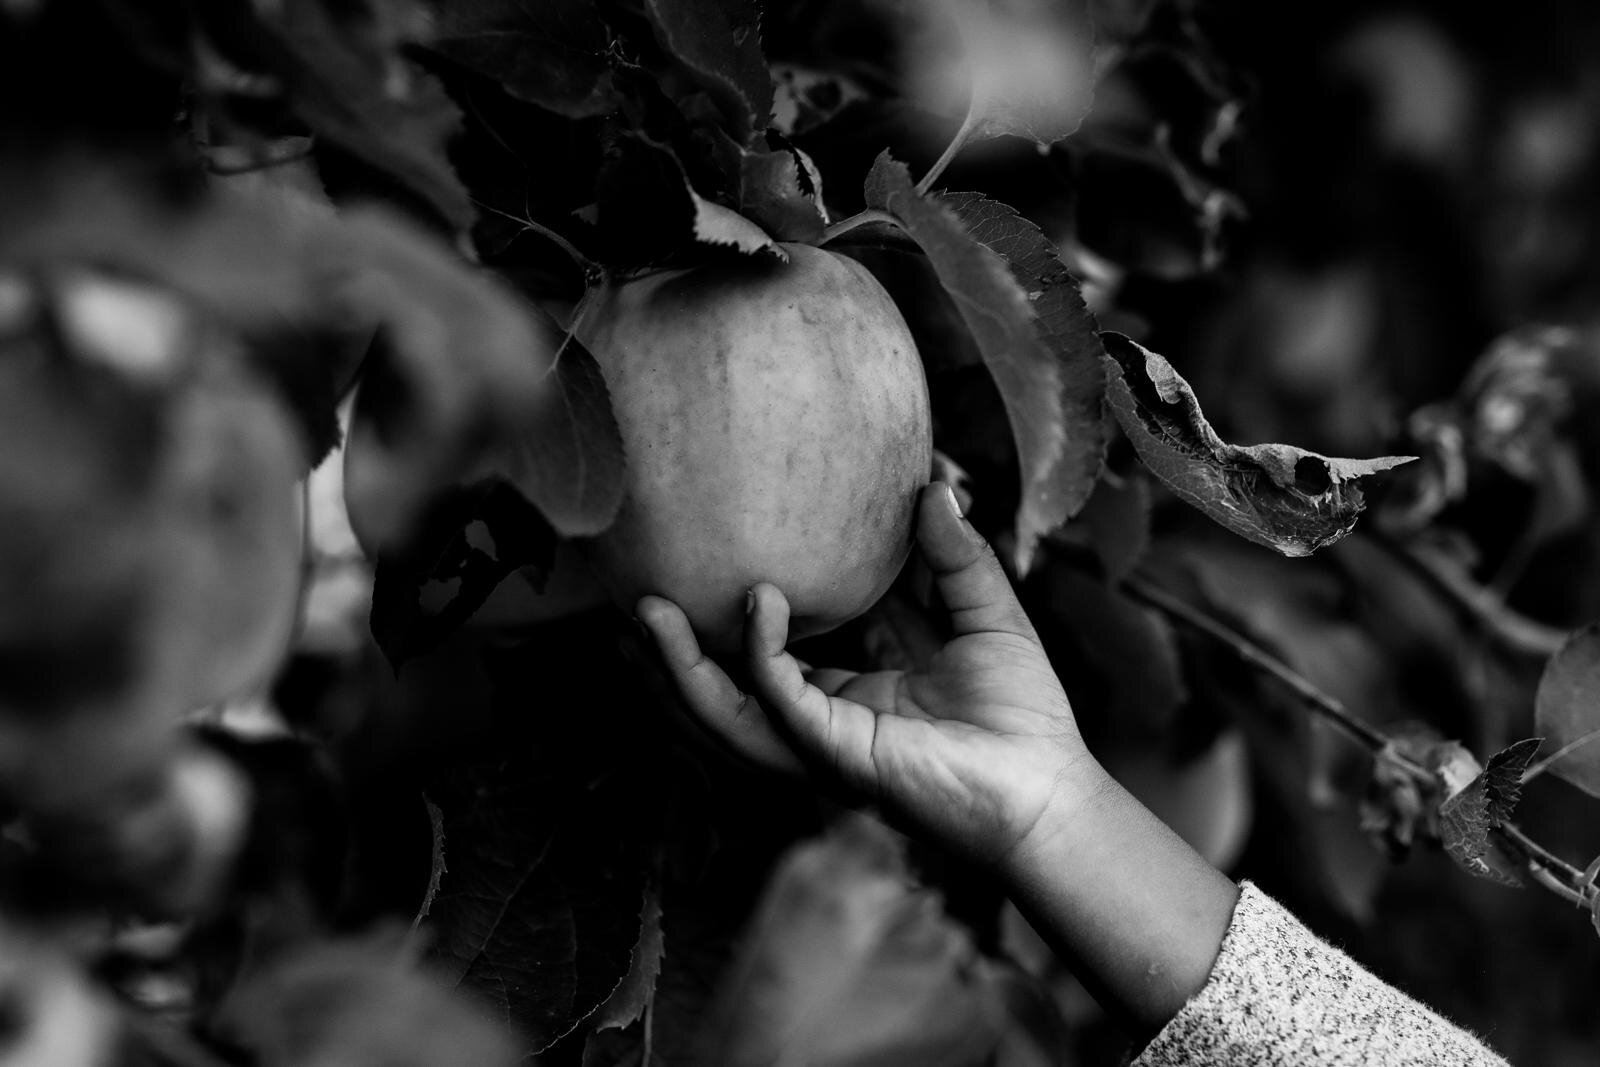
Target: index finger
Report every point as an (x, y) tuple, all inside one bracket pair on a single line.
[(716, 702)]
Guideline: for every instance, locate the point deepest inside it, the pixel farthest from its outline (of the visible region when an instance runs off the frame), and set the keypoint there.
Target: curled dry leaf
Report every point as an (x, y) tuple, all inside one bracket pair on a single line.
[(1286, 498)]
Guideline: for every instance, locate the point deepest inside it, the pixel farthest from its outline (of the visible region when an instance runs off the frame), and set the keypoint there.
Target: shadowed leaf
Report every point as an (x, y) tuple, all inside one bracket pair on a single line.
[(547, 52), (1567, 708), (1032, 345), (719, 44)]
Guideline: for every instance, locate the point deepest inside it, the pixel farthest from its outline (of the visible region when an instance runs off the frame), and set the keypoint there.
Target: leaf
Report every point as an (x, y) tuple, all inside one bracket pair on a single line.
[(1025, 67), (649, 211), (1286, 498), (547, 52), (1121, 657), (1068, 330), (348, 80), (1117, 519), (849, 961), (569, 460), (1033, 346), (1567, 708), (539, 915), (719, 43), (469, 540), (1467, 816), (436, 862), (462, 364), (348, 1002), (776, 187), (1396, 807), (628, 1001)]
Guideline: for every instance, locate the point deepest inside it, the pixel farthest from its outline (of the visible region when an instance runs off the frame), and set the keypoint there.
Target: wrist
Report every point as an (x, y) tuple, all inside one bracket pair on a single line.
[(1081, 805)]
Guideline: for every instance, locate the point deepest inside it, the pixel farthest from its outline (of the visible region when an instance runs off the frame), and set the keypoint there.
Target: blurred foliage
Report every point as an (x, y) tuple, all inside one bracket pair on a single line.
[(301, 770)]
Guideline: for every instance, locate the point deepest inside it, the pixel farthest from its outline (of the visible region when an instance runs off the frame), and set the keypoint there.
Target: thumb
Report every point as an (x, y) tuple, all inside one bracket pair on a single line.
[(969, 576)]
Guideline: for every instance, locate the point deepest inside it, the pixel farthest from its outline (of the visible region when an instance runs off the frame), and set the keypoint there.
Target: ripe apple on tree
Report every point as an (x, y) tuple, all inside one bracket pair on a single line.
[(776, 424)]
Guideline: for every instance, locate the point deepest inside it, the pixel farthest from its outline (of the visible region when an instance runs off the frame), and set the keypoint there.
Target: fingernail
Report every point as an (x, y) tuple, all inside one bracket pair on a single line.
[(750, 600), (955, 505)]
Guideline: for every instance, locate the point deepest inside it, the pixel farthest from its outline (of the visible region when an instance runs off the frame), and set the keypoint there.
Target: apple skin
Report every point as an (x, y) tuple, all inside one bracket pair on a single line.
[(776, 422)]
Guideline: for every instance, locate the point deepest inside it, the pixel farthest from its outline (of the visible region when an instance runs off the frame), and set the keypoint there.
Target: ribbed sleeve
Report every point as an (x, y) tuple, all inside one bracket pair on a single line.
[(1279, 996)]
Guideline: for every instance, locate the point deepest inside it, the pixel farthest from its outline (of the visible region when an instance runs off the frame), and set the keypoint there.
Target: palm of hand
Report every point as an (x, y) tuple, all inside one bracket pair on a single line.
[(974, 748), (965, 748)]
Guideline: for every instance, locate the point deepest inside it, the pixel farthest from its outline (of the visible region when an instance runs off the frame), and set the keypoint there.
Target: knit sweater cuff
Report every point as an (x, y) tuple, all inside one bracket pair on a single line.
[(1279, 996)]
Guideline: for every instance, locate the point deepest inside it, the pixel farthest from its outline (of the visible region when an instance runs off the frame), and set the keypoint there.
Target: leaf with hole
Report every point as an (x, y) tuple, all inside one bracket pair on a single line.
[(1289, 499)]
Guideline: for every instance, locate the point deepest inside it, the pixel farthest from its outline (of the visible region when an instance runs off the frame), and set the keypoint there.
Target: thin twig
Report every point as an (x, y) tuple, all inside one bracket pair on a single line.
[(1538, 858), (1256, 656), (1478, 603), (589, 267), (1544, 765)]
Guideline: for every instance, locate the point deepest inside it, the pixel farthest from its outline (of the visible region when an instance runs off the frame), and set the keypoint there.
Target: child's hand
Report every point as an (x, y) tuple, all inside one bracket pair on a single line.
[(980, 751), (975, 750)]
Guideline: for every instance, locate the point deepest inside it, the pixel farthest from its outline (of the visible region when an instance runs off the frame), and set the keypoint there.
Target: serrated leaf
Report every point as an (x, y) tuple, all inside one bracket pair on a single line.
[(1567, 708), (719, 43), (628, 1002), (1032, 347), (1286, 498), (539, 914), (547, 52), (774, 186), (470, 540), (436, 861), (1025, 67), (649, 211), (1466, 818), (1069, 331), (717, 225), (847, 959)]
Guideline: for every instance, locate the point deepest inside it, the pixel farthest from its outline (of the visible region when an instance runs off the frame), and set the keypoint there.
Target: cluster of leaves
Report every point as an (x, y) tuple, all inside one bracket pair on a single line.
[(412, 197)]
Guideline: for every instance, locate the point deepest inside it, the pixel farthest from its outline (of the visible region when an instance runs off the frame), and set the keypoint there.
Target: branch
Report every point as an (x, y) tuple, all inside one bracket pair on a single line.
[(1477, 603), (1258, 657), (1541, 862)]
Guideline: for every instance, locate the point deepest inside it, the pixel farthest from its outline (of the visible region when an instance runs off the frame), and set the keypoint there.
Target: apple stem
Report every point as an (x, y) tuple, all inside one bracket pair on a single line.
[(860, 218), (969, 125)]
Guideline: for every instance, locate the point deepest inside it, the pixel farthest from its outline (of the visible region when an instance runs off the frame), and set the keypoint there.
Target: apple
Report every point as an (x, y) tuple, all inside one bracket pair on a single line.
[(775, 417)]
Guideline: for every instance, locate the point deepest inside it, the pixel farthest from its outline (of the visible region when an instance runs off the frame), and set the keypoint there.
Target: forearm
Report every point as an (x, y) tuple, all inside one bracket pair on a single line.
[(1136, 912)]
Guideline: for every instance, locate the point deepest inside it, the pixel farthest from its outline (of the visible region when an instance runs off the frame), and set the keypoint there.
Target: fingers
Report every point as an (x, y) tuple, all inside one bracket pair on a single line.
[(712, 697), (970, 579), (838, 733)]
